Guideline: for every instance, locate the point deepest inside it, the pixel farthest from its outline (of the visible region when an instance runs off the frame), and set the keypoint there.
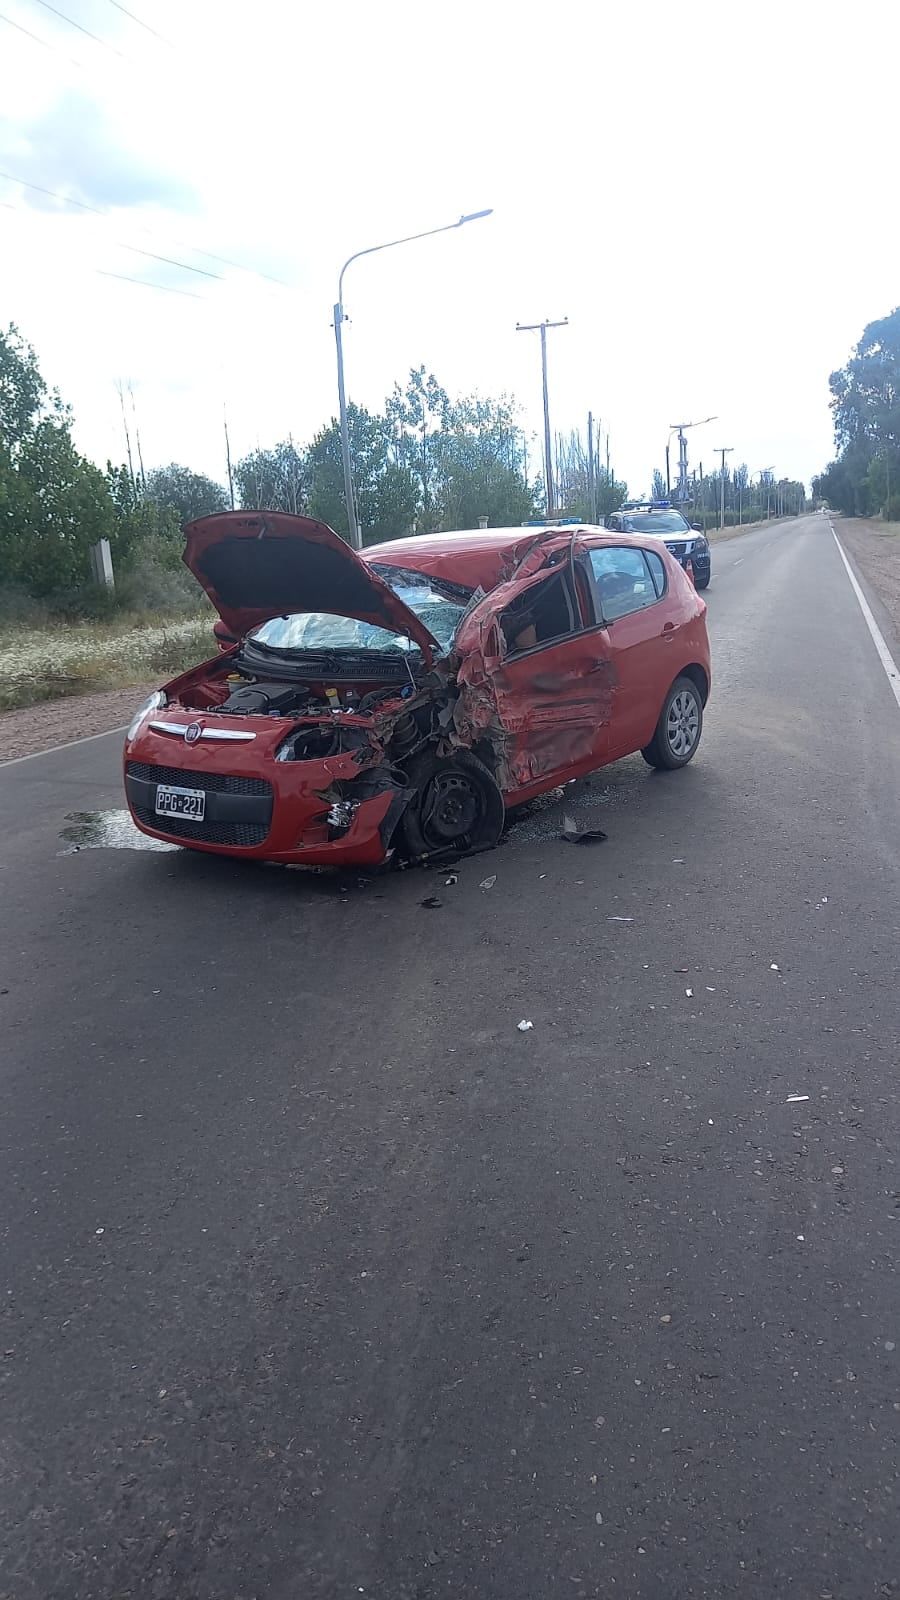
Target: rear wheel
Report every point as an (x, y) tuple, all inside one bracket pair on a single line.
[(679, 727), (457, 806), (702, 583)]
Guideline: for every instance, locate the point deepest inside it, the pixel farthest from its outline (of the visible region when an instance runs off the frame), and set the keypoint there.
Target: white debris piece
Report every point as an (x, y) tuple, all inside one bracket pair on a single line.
[(689, 993), (792, 1099), (488, 883), (524, 1026), (774, 967)]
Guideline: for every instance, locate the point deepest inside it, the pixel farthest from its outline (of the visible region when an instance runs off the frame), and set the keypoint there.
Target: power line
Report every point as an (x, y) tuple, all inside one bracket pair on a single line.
[(82, 205), (169, 261), (45, 42), (163, 287), (72, 24), (141, 24), (201, 271)]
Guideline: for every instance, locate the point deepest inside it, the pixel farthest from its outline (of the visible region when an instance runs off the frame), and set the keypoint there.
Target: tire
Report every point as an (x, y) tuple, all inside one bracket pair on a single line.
[(457, 807), (702, 583), (678, 730)]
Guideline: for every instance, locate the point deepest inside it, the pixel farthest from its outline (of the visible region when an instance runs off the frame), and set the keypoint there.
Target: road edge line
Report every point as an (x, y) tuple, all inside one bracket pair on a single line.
[(15, 761), (884, 655)]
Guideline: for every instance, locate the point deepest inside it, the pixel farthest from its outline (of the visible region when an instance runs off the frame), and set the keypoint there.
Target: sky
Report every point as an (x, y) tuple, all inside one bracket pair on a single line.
[(706, 191)]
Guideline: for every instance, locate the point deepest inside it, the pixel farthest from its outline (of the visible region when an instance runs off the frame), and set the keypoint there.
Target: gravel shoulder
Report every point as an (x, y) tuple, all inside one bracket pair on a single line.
[(41, 727), (874, 548)]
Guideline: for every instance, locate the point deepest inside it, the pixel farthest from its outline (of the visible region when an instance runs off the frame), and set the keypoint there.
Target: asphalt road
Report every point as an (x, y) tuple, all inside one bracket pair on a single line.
[(320, 1279)]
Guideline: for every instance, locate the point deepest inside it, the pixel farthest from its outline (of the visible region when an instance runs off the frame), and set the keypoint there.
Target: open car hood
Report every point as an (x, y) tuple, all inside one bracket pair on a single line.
[(255, 565)]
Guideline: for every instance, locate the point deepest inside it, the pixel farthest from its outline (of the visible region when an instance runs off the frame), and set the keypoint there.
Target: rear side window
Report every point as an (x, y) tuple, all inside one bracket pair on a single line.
[(657, 568), (623, 581)]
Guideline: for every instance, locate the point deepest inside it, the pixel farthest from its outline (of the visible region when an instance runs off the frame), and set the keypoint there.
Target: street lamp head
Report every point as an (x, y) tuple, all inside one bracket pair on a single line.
[(473, 216)]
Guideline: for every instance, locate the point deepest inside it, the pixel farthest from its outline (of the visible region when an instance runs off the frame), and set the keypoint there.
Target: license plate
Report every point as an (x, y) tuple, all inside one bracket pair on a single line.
[(174, 802)]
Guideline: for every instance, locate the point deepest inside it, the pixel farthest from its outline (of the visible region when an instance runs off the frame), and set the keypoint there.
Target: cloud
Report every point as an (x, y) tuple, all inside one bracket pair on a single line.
[(74, 150)]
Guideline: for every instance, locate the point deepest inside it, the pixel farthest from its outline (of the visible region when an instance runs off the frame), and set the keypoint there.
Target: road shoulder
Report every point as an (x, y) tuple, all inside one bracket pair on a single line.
[(34, 729), (874, 551)]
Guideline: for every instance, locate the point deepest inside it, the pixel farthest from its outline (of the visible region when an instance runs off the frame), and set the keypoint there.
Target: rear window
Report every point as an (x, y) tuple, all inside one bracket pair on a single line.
[(659, 522)]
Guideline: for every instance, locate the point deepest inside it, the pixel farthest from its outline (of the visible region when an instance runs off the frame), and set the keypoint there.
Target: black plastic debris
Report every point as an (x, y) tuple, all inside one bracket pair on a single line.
[(431, 902)]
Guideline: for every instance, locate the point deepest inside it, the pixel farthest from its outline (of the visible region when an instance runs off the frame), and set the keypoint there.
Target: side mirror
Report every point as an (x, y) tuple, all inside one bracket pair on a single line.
[(696, 528)]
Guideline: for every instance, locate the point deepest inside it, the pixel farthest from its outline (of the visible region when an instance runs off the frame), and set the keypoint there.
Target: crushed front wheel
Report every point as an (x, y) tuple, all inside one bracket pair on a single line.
[(457, 806)]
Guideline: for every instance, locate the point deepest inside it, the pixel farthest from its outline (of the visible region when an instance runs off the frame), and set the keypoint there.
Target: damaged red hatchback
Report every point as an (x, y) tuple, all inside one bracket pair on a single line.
[(402, 700)]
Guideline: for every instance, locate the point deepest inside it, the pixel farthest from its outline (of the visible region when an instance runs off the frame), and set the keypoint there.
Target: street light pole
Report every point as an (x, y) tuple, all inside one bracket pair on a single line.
[(541, 327), (680, 428), (340, 317)]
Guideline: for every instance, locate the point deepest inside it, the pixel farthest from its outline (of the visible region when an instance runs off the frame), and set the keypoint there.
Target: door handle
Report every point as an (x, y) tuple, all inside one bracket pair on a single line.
[(668, 629)]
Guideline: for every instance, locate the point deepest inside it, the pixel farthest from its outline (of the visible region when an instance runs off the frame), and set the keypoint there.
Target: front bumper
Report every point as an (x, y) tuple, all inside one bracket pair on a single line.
[(258, 808), (699, 557)]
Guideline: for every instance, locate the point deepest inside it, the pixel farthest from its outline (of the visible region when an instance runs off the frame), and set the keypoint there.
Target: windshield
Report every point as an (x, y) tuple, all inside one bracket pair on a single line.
[(439, 606), (656, 522)]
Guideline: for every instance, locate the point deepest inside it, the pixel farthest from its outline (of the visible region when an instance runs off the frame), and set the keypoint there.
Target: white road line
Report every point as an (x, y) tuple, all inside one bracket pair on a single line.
[(16, 761), (884, 654)]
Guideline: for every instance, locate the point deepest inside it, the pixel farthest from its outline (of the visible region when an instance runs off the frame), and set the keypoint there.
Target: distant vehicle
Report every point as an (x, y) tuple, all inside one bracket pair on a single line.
[(664, 522), (399, 701)]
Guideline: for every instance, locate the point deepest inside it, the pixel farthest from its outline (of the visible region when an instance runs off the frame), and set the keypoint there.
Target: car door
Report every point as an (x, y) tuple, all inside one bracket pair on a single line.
[(535, 679), (629, 591)]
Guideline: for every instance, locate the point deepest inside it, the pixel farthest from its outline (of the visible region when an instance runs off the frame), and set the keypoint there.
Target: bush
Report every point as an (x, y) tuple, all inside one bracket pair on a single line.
[(19, 609), (152, 583)]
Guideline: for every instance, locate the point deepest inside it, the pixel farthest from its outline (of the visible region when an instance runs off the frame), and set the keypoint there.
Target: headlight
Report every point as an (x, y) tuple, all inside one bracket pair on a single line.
[(154, 703)]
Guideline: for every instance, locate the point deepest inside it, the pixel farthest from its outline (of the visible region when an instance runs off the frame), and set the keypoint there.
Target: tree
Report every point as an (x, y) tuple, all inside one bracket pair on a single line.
[(140, 520), (53, 503), (64, 506), (274, 480), (387, 495), (417, 413), (586, 494), (659, 490), (186, 493), (24, 398), (478, 465), (865, 406)]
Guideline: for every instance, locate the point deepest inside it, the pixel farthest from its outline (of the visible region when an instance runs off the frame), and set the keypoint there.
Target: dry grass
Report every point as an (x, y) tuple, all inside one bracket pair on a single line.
[(77, 658)]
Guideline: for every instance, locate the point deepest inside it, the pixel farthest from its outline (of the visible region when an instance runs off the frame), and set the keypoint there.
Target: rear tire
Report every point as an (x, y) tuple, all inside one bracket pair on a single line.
[(457, 806), (702, 583), (678, 730)]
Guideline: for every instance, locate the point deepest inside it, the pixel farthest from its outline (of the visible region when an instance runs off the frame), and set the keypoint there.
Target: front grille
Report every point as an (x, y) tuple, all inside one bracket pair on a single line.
[(227, 833), (677, 549), (182, 777)]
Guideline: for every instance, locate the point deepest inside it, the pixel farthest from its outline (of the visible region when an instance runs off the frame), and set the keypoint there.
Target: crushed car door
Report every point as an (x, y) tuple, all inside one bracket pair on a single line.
[(535, 681)]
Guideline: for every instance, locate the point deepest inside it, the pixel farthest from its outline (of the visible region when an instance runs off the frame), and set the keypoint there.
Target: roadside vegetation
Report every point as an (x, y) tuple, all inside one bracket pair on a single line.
[(863, 480)]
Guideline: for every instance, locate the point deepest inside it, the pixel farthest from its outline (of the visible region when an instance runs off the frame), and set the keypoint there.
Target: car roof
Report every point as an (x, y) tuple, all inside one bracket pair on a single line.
[(485, 556)]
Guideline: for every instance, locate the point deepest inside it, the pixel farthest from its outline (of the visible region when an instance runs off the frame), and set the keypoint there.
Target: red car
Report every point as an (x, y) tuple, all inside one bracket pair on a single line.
[(403, 699)]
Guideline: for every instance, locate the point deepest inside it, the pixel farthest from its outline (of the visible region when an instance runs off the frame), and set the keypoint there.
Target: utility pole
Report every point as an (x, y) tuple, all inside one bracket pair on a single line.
[(541, 327), (668, 474), (723, 451), (228, 457), (592, 499)]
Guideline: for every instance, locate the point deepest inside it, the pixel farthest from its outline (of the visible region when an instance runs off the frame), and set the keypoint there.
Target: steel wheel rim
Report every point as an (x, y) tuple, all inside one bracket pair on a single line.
[(451, 808), (683, 723)]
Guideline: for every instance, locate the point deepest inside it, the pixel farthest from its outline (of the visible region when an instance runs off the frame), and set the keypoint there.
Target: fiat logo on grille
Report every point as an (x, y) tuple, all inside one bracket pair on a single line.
[(192, 732)]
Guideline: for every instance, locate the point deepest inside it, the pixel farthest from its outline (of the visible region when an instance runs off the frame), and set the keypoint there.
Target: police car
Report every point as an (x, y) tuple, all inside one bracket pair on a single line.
[(663, 521)]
